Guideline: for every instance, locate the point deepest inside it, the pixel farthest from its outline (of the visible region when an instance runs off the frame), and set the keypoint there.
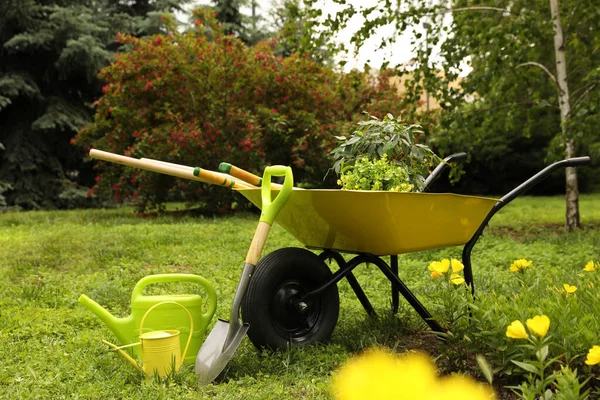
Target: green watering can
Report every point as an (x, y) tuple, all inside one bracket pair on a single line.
[(169, 316)]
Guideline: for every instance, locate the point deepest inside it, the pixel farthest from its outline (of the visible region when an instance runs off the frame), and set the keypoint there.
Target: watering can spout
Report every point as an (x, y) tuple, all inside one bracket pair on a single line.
[(124, 354), (121, 327)]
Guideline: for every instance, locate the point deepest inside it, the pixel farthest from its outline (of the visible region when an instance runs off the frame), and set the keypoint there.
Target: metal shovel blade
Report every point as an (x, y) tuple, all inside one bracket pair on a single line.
[(215, 353)]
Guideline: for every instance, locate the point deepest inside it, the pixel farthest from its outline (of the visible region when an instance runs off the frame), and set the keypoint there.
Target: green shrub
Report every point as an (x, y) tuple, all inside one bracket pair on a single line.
[(202, 97)]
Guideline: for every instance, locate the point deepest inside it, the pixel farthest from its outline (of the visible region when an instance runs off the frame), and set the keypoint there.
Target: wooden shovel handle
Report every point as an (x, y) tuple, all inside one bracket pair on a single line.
[(162, 167)]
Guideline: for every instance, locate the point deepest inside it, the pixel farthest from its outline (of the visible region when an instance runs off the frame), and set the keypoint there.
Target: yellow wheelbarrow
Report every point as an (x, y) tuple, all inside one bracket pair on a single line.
[(292, 298)]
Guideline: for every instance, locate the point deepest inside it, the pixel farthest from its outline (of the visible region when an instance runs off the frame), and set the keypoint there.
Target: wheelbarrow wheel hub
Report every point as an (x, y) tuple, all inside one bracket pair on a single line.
[(292, 316)]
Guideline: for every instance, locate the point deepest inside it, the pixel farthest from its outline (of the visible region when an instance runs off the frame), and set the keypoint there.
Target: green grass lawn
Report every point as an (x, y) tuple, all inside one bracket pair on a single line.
[(51, 344)]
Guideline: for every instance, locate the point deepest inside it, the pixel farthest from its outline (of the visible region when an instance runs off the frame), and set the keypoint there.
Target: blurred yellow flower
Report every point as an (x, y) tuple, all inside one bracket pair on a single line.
[(589, 267), (457, 266), (520, 265), (460, 387), (539, 325), (569, 289), (440, 266), (379, 374), (516, 330), (456, 279), (593, 356)]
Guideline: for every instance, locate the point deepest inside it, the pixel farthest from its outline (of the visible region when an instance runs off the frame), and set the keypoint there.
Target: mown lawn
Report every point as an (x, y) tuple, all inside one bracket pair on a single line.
[(51, 344)]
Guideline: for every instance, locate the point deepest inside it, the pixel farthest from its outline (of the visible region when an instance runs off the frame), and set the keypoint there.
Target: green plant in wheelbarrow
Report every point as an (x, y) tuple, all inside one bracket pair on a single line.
[(378, 174), (383, 155)]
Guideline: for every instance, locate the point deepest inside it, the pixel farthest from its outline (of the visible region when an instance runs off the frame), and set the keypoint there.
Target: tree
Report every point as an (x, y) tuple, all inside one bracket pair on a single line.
[(526, 63), (50, 54), (251, 29)]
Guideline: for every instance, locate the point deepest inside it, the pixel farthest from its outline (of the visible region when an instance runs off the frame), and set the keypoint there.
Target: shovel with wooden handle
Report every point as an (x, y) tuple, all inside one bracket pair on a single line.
[(226, 336)]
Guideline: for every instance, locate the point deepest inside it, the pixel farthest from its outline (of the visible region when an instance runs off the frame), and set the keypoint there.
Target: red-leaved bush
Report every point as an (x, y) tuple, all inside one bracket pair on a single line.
[(202, 97)]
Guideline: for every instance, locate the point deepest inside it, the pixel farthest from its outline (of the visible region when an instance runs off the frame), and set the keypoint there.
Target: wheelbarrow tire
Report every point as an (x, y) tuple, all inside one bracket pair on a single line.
[(271, 306)]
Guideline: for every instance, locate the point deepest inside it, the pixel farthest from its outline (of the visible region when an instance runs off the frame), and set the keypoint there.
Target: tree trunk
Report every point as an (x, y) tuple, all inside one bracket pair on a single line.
[(572, 190)]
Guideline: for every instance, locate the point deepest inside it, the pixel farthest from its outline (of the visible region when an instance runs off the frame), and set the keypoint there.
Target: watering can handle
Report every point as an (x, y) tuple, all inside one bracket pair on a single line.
[(270, 208), (188, 313), (161, 278)]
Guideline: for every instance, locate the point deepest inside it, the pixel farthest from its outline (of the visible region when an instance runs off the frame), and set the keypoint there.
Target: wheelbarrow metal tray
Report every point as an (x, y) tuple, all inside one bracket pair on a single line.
[(379, 222)]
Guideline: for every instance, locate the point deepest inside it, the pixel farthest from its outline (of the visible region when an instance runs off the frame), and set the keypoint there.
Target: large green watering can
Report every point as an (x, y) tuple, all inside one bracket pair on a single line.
[(168, 317)]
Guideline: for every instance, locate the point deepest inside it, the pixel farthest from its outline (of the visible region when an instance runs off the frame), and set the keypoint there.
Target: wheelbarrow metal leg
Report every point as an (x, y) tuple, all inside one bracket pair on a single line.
[(387, 271), (360, 294), (408, 295), (395, 293)]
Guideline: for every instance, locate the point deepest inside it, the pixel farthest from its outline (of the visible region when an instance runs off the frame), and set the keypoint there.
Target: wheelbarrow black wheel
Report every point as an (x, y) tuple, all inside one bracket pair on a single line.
[(272, 305)]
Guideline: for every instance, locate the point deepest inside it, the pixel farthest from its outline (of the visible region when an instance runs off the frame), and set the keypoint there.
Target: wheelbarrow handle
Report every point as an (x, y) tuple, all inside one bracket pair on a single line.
[(441, 167), (456, 157), (522, 188), (573, 162), (534, 180)]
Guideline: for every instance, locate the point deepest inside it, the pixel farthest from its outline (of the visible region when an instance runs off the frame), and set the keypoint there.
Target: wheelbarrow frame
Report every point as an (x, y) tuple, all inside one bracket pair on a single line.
[(390, 270)]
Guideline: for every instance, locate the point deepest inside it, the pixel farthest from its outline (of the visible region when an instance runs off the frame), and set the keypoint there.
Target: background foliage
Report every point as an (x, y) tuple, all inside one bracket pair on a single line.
[(505, 112), (50, 54), (203, 97)]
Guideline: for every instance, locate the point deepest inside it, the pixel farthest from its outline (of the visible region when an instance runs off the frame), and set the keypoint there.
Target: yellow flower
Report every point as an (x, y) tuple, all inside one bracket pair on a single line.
[(461, 387), (379, 374), (569, 289), (539, 325), (589, 267), (593, 356), (457, 279), (440, 266), (520, 265), (435, 274), (457, 266), (516, 330)]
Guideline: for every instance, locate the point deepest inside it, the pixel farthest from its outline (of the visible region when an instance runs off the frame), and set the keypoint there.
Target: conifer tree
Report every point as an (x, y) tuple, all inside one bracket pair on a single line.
[(50, 54)]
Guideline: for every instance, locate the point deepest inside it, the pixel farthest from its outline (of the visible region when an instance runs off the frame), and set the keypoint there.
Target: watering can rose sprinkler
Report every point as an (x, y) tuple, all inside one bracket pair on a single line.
[(225, 337)]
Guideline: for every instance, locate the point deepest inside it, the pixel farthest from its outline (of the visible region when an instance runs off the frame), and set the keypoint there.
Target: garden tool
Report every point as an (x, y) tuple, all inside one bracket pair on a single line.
[(197, 171), (242, 174), (170, 316), (225, 336), (195, 174), (160, 349)]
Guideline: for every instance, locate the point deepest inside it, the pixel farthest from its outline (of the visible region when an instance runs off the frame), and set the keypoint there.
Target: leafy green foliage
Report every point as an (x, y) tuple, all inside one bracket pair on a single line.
[(378, 174), (505, 112), (50, 54), (390, 138), (202, 98)]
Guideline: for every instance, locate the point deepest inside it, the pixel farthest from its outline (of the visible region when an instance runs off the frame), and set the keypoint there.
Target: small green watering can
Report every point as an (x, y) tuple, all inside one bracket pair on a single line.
[(161, 352), (168, 317)]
